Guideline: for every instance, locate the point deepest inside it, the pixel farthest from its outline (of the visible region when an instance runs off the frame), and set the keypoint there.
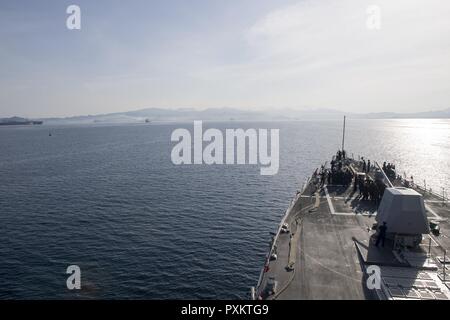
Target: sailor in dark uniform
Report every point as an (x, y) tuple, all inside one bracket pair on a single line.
[(381, 234)]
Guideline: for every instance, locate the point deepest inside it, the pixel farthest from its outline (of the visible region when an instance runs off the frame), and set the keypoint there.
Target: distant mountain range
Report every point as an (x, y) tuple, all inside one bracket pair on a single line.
[(167, 115), (230, 114)]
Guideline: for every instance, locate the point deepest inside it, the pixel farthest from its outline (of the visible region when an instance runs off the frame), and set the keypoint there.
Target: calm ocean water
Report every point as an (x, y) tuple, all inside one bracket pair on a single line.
[(108, 198)]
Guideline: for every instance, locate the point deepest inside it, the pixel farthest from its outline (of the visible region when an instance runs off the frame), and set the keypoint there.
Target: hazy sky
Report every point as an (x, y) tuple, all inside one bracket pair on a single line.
[(252, 54)]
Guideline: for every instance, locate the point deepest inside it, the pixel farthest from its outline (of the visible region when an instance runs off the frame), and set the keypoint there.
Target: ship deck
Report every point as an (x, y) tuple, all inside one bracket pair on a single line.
[(331, 244)]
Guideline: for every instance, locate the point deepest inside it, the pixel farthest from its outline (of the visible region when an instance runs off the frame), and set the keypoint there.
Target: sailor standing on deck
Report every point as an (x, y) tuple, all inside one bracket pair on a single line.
[(361, 186), (381, 234)]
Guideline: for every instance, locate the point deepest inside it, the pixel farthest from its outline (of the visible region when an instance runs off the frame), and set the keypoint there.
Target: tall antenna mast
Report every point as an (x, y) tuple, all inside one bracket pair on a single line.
[(343, 136)]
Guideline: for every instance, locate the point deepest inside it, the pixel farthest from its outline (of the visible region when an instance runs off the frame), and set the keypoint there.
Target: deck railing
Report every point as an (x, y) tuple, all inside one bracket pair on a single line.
[(257, 292)]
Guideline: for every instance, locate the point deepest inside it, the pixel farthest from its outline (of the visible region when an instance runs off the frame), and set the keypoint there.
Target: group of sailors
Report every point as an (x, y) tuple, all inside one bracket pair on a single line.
[(340, 174), (389, 169), (337, 174), (368, 188), (365, 166), (340, 155)]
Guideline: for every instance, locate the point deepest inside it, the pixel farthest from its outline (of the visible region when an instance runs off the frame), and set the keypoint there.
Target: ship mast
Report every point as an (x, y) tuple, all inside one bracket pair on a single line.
[(343, 136)]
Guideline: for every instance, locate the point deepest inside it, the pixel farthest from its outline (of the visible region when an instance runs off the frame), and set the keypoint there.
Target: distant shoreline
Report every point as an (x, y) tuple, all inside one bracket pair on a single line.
[(21, 123), (156, 115), (229, 113)]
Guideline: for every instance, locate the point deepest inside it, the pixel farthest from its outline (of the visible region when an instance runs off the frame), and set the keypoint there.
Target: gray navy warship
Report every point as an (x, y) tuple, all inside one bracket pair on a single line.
[(358, 230)]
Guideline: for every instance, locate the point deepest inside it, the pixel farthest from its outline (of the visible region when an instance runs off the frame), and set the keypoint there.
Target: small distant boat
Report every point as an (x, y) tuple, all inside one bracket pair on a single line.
[(147, 121)]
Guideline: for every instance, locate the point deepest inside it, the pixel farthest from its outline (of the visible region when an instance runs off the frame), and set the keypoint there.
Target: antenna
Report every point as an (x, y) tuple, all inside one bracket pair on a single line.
[(343, 136)]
